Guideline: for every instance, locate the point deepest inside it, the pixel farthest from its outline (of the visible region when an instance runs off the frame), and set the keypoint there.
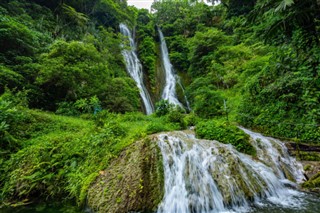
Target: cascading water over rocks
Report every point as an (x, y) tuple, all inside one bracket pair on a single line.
[(208, 176), (169, 91), (134, 68)]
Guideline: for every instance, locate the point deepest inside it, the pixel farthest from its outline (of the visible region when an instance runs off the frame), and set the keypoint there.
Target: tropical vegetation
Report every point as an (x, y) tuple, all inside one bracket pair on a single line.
[(68, 107)]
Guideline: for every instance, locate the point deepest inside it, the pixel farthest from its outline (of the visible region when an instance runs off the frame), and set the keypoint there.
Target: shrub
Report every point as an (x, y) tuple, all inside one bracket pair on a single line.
[(163, 107), (156, 127), (176, 116), (225, 133), (191, 119)]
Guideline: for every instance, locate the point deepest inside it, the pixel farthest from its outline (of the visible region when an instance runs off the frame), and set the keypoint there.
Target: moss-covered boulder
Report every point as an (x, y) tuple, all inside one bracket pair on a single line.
[(133, 182), (313, 184)]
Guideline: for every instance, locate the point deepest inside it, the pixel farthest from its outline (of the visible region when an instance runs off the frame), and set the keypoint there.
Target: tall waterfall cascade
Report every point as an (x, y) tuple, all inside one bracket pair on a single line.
[(171, 79), (207, 176), (134, 68)]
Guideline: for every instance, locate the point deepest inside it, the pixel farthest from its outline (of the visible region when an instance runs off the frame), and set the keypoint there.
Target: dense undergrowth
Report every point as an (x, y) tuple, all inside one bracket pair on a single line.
[(48, 156), (65, 51)]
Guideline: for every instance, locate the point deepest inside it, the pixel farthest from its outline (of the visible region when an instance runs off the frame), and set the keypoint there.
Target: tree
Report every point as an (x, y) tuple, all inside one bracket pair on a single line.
[(71, 70), (9, 79), (202, 47), (284, 17), (16, 39), (240, 7)]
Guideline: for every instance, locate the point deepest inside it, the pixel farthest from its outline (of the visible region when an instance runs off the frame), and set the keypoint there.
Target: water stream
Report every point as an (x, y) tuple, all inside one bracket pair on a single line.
[(169, 91), (134, 68), (208, 176)]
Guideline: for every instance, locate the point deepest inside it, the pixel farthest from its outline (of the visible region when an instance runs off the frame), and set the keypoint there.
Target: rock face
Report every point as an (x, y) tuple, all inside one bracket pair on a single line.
[(134, 182)]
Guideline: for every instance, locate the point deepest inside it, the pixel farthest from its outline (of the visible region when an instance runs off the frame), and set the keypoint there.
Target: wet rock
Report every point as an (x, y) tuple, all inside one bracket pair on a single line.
[(132, 183)]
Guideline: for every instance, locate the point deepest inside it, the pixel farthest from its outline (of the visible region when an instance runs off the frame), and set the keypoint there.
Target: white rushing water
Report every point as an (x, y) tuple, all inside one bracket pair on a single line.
[(134, 68), (208, 176), (169, 91)]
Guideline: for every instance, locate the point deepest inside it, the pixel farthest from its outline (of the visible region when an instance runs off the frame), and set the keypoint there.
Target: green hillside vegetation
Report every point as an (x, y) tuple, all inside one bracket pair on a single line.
[(68, 108), (263, 61), (61, 52), (48, 156)]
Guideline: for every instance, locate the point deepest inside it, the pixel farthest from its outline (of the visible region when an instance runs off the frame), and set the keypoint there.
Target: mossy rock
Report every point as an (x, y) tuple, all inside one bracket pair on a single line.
[(247, 185), (134, 182), (313, 182)]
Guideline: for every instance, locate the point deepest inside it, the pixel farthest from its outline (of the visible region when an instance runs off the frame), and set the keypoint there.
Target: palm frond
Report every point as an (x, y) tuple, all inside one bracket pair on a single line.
[(284, 4), (78, 17)]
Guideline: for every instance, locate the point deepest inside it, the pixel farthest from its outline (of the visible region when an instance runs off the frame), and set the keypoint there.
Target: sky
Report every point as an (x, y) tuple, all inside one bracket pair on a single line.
[(141, 3)]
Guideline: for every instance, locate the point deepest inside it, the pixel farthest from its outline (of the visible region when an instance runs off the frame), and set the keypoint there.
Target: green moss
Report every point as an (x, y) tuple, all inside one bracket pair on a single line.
[(243, 180), (313, 182), (309, 156), (287, 173), (85, 187), (141, 186), (307, 167)]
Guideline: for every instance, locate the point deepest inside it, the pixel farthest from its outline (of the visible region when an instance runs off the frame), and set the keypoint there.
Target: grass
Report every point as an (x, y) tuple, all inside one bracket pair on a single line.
[(60, 156)]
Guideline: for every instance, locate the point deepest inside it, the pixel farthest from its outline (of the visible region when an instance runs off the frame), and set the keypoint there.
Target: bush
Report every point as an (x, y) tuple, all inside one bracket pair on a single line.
[(225, 133), (191, 119), (163, 107), (12, 112), (176, 116), (67, 108), (115, 128), (156, 127), (208, 103), (9, 78)]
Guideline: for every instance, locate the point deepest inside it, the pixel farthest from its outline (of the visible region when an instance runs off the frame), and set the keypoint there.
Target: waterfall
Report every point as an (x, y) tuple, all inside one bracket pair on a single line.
[(134, 68), (208, 176), (169, 91)]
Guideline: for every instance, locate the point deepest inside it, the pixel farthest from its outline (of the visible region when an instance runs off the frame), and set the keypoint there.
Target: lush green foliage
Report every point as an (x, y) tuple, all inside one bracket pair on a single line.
[(288, 18), (60, 156), (256, 63), (147, 46), (269, 86), (163, 107), (65, 51), (64, 56), (171, 113), (10, 116), (226, 133)]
